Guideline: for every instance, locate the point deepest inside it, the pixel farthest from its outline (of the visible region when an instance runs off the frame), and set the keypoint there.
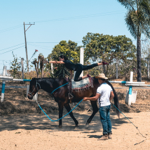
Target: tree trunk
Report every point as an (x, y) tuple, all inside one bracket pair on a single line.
[(117, 68), (147, 68), (139, 75), (104, 70), (22, 67)]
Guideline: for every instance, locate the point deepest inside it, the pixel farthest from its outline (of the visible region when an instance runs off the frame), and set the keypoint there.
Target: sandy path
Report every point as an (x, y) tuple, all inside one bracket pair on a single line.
[(36, 132)]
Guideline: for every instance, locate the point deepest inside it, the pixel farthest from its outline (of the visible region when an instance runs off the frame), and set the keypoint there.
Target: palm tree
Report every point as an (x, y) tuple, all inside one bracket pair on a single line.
[(138, 22)]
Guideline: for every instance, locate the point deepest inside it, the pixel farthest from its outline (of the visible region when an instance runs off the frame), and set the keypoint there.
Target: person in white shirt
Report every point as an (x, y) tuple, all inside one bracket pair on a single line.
[(104, 95)]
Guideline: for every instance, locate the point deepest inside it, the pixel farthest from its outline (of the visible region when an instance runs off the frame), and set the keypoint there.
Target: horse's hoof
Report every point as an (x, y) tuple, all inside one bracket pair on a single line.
[(87, 125), (76, 125)]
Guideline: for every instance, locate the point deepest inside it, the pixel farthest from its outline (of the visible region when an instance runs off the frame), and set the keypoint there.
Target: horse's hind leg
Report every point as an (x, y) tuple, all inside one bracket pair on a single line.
[(95, 110), (60, 105), (67, 106)]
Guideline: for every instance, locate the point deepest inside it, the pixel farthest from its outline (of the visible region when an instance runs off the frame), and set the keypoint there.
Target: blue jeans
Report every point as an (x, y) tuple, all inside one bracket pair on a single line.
[(105, 119)]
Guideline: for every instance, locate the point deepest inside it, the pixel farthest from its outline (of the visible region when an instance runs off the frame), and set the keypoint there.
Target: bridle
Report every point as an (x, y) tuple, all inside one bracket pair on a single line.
[(35, 88)]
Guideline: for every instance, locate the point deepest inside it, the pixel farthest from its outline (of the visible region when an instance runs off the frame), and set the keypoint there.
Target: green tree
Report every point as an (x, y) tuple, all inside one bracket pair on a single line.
[(122, 49), (70, 50), (108, 48), (15, 67), (138, 22)]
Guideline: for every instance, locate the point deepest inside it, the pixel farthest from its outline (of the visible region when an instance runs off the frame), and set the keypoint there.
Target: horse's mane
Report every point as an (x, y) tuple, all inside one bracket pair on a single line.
[(49, 79), (52, 78)]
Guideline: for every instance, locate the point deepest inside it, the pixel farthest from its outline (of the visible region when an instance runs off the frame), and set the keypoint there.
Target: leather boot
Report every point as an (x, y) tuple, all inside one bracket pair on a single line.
[(104, 137), (109, 135)]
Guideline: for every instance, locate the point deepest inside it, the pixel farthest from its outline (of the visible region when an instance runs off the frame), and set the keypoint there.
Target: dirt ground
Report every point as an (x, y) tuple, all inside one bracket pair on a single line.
[(24, 127), (36, 132)]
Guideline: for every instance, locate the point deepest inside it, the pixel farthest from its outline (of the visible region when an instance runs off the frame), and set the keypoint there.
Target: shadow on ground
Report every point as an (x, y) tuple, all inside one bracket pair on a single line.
[(16, 112), (41, 122)]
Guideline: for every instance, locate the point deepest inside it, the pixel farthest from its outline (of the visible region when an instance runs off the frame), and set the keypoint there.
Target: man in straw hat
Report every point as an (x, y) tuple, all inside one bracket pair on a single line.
[(104, 95)]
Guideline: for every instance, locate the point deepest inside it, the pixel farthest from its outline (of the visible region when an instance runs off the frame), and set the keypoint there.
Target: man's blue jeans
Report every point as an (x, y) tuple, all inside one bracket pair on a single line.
[(105, 119)]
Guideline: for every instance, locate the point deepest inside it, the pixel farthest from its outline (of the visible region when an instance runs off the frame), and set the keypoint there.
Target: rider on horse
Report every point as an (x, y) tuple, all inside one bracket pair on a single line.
[(75, 67)]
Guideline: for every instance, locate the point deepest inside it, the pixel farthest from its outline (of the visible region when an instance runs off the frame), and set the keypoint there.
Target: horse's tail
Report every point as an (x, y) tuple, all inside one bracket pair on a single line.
[(116, 101)]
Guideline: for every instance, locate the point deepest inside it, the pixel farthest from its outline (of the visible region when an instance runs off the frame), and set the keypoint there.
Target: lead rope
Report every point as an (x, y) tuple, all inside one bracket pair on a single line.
[(62, 116), (52, 93), (129, 121), (58, 87), (77, 105)]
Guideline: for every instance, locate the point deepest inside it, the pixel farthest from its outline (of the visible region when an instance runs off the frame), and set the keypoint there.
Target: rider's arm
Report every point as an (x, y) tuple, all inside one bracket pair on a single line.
[(94, 98), (57, 62)]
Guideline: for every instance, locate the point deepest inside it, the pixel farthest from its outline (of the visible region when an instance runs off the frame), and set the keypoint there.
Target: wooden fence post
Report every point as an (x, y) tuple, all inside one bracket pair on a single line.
[(3, 83)]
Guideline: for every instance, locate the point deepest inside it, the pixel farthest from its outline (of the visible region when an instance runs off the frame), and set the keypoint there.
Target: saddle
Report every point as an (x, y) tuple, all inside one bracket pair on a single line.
[(78, 86)]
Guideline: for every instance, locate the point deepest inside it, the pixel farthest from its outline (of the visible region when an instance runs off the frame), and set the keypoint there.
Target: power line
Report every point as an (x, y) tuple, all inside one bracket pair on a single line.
[(51, 42), (44, 42), (83, 16), (5, 60), (44, 47), (10, 28), (69, 18), (12, 46), (11, 50)]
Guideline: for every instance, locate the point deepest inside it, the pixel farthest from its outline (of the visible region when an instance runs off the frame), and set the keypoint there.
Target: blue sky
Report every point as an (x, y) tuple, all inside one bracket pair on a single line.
[(55, 21)]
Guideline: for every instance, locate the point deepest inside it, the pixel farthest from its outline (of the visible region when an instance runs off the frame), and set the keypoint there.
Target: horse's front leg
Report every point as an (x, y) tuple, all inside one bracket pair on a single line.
[(95, 110), (60, 105), (68, 108)]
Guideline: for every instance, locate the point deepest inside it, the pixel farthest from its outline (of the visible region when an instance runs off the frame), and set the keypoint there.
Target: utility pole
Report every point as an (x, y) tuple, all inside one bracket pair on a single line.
[(30, 24)]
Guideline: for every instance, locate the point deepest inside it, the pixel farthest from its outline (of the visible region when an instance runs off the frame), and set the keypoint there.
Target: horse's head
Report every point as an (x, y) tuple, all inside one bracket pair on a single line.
[(33, 89)]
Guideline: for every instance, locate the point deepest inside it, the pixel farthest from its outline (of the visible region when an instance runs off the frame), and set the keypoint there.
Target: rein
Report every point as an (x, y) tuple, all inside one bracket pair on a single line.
[(52, 93), (59, 87), (62, 116), (75, 107), (129, 121)]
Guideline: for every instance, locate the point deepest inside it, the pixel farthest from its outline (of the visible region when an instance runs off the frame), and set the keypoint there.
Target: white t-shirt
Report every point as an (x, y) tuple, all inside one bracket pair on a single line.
[(104, 90)]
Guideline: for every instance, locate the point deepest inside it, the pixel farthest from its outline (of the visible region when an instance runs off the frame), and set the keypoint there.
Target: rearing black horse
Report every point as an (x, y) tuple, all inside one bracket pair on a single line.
[(61, 94)]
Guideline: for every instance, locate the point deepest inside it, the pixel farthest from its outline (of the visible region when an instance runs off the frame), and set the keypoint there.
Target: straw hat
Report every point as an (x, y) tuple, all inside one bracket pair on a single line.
[(101, 76)]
